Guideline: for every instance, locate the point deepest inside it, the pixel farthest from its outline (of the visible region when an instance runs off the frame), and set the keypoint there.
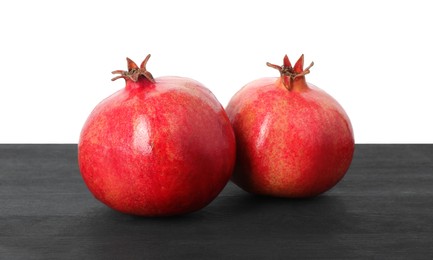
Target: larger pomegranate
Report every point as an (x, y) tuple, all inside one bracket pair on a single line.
[(159, 147), (293, 139)]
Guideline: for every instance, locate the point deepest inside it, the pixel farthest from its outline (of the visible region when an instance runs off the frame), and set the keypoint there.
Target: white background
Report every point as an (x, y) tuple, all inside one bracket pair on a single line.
[(374, 57)]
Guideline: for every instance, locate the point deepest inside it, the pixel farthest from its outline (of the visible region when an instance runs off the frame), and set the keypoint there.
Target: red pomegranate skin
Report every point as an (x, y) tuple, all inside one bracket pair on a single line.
[(158, 147), (293, 139)]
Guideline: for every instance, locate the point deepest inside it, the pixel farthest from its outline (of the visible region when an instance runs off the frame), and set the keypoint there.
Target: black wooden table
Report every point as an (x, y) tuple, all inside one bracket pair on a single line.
[(382, 209)]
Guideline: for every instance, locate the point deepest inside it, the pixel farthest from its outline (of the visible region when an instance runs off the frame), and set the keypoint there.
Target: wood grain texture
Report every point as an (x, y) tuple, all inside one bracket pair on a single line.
[(382, 209)]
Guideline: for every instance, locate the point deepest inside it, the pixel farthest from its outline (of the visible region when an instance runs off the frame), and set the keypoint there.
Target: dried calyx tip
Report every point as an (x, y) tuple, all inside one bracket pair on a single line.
[(134, 72), (293, 72), (289, 74)]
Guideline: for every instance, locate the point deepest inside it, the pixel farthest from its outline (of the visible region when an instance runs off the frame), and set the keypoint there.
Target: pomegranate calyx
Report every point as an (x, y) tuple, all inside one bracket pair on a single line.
[(288, 73), (134, 72)]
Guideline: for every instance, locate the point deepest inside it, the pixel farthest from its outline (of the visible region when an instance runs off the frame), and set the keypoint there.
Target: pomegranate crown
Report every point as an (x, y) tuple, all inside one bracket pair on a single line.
[(134, 72), (289, 73)]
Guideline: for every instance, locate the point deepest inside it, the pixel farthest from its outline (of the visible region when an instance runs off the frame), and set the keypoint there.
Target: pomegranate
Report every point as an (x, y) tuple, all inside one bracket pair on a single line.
[(293, 139), (159, 147)]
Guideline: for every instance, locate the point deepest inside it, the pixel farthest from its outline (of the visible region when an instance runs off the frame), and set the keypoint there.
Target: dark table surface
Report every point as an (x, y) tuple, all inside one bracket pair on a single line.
[(382, 209)]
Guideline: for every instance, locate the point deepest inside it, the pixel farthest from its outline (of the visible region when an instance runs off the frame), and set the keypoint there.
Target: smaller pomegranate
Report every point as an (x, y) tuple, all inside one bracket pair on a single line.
[(293, 139), (159, 147)]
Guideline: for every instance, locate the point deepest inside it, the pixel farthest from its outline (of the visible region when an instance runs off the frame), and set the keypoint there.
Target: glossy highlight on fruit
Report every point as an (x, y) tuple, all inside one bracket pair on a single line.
[(293, 139), (159, 147)]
